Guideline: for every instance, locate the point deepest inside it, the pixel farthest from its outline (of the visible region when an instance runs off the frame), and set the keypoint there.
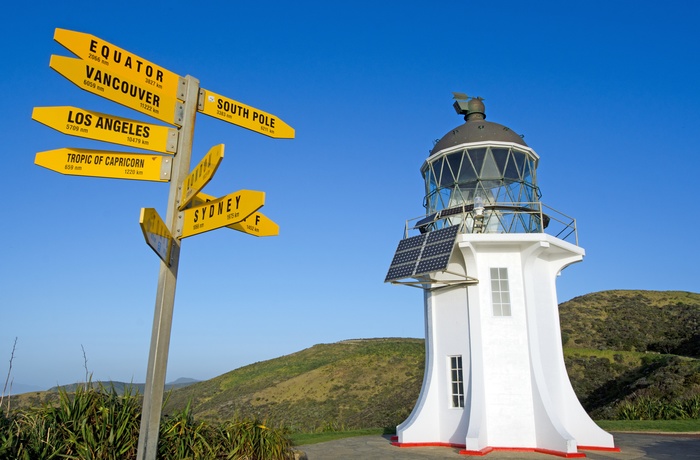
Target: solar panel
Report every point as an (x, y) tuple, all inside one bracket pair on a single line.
[(422, 254)]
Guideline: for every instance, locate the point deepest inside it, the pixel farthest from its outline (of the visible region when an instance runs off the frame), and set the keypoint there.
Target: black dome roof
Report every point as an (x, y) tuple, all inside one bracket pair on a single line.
[(476, 129)]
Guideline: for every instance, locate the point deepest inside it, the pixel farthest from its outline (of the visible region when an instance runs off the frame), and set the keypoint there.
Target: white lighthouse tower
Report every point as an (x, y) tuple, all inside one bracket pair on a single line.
[(486, 256)]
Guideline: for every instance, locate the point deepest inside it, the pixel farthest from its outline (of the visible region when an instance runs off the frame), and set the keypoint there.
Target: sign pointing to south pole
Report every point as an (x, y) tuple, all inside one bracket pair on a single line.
[(201, 175), (121, 62), (104, 163), (157, 235), (227, 210), (107, 128), (243, 115), (100, 80)]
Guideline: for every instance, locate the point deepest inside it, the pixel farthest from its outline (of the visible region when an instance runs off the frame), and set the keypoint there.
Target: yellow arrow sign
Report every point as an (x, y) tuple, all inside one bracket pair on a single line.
[(107, 128), (243, 115), (100, 80), (227, 210), (104, 163), (121, 62), (157, 235), (255, 224), (201, 175)]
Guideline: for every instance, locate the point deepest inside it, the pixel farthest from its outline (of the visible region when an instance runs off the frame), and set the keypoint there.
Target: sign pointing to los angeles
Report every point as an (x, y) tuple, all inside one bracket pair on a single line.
[(100, 80), (227, 210), (107, 128), (201, 175), (243, 115), (121, 62), (157, 235), (103, 163)]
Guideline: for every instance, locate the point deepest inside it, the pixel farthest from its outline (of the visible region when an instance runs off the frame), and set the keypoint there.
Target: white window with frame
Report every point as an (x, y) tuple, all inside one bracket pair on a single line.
[(500, 292), (457, 380)]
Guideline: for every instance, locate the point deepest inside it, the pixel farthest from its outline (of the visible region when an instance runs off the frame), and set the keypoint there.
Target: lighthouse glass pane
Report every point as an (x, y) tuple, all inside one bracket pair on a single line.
[(457, 380), (500, 292)]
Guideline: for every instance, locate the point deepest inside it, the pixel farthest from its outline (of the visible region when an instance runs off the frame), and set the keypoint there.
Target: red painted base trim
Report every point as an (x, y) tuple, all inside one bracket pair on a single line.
[(487, 450)]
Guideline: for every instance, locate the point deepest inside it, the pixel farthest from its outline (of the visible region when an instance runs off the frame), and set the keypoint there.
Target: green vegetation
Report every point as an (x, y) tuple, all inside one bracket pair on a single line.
[(300, 439), (651, 426), (102, 425)]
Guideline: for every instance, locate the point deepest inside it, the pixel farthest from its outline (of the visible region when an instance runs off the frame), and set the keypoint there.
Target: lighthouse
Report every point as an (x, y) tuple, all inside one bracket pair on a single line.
[(486, 255)]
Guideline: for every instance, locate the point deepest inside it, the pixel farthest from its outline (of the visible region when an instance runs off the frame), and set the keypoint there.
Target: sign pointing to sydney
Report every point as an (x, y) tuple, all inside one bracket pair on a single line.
[(227, 210)]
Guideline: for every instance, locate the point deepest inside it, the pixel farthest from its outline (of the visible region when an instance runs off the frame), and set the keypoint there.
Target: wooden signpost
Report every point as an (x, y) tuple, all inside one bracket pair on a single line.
[(125, 78)]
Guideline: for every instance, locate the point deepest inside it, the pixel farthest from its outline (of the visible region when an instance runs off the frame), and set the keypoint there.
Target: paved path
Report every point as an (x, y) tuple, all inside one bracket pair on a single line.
[(633, 446)]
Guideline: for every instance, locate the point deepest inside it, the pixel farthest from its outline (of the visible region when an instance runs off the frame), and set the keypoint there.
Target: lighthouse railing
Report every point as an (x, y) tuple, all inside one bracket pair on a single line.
[(505, 217)]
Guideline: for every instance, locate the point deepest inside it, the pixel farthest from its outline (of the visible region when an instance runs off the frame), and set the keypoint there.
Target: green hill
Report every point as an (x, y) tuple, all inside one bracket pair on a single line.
[(619, 347)]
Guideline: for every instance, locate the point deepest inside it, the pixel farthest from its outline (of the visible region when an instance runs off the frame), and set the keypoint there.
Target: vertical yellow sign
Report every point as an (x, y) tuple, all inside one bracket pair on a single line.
[(157, 235), (201, 175)]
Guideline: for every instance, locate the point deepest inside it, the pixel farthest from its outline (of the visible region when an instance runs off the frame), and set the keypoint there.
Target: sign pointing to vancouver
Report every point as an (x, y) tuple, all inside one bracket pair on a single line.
[(121, 62), (243, 115), (103, 163), (201, 175), (107, 128), (100, 80), (227, 210)]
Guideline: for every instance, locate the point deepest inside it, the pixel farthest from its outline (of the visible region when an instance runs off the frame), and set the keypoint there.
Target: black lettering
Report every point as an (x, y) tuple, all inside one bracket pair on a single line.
[(93, 45), (238, 199)]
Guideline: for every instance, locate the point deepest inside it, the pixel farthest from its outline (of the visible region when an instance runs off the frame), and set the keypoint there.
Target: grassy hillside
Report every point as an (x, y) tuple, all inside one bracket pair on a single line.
[(621, 348), (346, 385)]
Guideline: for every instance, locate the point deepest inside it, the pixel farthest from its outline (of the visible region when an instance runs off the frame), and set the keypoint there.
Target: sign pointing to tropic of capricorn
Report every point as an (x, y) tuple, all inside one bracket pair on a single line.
[(201, 175), (243, 115), (107, 128), (104, 163), (100, 80), (256, 224), (121, 62), (224, 211)]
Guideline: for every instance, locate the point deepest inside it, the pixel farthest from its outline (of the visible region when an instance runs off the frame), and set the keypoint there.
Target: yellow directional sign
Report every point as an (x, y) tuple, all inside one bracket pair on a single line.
[(121, 62), (257, 224), (243, 115), (104, 163), (107, 128), (201, 175), (157, 235), (227, 210), (101, 81)]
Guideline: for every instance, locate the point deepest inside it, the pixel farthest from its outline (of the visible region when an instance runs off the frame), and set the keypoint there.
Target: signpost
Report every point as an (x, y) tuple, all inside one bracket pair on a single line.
[(104, 163), (99, 80), (227, 210), (201, 174), (107, 128), (243, 115), (125, 78), (157, 235)]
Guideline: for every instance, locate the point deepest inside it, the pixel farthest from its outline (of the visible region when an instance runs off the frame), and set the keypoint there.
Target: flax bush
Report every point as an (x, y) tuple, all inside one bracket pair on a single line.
[(100, 424)]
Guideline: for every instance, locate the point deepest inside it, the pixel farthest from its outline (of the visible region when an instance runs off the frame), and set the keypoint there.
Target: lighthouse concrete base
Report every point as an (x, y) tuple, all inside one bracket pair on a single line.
[(494, 373)]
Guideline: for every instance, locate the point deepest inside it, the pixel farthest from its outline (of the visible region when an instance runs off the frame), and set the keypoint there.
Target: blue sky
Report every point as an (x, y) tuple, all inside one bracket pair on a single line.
[(605, 92)]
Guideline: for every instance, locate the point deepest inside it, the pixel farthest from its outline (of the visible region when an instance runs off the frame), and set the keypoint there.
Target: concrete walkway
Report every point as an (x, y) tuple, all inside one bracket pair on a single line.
[(632, 446)]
